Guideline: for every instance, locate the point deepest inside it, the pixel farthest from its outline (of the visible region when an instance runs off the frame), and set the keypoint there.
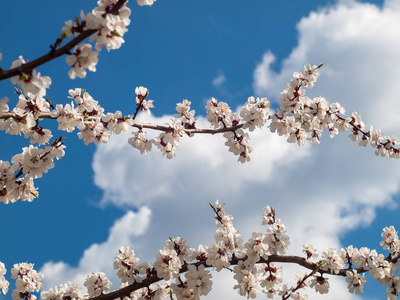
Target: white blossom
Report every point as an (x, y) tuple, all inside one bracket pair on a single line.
[(140, 142), (390, 239), (199, 280), (28, 280), (3, 282), (246, 276), (81, 59), (129, 266), (255, 248), (110, 28), (320, 284), (331, 261), (355, 281), (97, 284), (255, 113), (217, 256), (64, 291), (310, 251), (30, 82), (167, 263)]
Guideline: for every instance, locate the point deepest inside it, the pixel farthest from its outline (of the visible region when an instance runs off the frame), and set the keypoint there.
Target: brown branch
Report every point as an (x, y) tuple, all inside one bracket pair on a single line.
[(139, 125), (124, 292), (29, 66)]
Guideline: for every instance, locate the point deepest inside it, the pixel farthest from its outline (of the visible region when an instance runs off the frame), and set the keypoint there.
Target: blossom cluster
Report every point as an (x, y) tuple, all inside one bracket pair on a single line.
[(253, 264), (30, 82), (302, 119), (33, 162), (3, 282), (27, 281), (24, 117), (64, 291), (110, 29), (129, 266), (88, 116), (254, 270), (97, 284)]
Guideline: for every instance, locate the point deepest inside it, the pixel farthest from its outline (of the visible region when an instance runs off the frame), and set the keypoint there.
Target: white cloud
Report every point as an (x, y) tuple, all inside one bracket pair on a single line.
[(129, 178), (320, 192), (358, 45), (100, 257), (219, 80)]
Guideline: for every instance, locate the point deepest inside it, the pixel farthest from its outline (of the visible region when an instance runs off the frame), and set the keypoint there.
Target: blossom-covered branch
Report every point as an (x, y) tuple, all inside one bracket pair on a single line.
[(25, 69), (299, 118), (253, 265), (139, 125)]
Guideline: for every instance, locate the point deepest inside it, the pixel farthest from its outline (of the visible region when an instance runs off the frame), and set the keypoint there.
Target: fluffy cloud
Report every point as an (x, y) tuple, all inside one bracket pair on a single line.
[(129, 178), (99, 257), (219, 80), (357, 43)]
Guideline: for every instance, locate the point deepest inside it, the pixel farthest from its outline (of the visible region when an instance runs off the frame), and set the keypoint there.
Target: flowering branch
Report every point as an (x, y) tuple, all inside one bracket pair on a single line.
[(253, 261), (139, 125), (299, 118), (54, 53)]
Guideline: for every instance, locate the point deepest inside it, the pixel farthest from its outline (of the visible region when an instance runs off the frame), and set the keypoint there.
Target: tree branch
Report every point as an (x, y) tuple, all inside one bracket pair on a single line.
[(124, 292), (29, 66), (139, 125)]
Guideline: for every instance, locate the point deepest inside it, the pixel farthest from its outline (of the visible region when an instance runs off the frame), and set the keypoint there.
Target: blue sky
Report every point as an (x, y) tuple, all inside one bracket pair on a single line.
[(99, 198)]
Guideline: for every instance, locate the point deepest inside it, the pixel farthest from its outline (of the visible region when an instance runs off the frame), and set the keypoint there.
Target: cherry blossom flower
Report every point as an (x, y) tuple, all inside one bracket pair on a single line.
[(140, 142), (255, 113), (390, 239), (217, 256), (3, 282), (246, 276), (68, 117), (310, 251), (97, 284), (331, 261), (28, 280), (217, 112), (393, 288), (182, 249), (110, 28), (320, 284), (31, 82), (276, 238), (81, 59), (74, 27), (199, 279), (355, 281), (129, 266), (64, 291), (167, 263), (255, 248)]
